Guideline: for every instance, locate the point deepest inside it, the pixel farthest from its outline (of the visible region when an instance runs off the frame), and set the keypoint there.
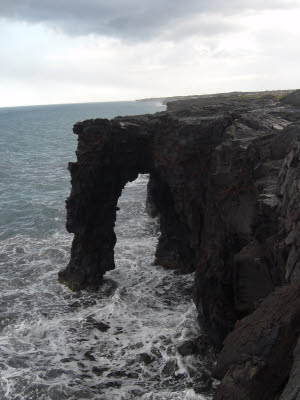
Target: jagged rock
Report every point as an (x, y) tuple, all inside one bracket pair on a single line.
[(170, 368), (257, 356), (99, 371), (289, 191), (187, 348), (252, 280), (292, 98), (204, 383), (88, 355), (225, 184), (292, 389), (214, 184), (145, 358), (101, 326)]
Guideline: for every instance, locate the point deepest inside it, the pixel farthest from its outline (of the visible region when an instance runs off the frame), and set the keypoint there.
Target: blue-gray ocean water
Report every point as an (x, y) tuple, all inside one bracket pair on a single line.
[(50, 343)]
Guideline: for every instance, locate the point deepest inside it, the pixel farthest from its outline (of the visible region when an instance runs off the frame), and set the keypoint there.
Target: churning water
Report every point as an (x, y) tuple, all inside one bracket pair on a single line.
[(118, 343)]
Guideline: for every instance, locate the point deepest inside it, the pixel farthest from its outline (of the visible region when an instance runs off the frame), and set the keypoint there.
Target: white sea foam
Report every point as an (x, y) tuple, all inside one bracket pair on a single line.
[(52, 345)]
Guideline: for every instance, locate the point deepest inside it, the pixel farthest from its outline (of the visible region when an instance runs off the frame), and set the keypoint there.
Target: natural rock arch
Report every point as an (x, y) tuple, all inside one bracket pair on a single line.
[(225, 182), (110, 154), (178, 155), (106, 162), (214, 166)]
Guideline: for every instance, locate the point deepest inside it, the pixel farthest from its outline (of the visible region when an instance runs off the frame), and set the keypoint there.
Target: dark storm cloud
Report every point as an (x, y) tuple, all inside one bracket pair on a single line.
[(131, 19)]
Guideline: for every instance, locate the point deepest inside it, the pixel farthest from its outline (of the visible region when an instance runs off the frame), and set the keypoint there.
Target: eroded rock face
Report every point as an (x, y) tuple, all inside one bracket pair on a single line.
[(225, 183), (110, 153), (258, 355), (292, 389), (292, 98)]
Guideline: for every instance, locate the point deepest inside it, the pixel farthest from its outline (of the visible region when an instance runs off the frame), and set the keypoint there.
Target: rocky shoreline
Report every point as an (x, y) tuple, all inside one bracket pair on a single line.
[(225, 185)]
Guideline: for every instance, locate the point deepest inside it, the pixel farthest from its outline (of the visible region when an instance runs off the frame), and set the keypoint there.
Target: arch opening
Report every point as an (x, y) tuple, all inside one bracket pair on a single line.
[(136, 231), (110, 154)]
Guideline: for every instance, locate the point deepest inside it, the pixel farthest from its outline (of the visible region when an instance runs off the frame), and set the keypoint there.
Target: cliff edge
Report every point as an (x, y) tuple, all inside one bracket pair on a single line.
[(225, 183)]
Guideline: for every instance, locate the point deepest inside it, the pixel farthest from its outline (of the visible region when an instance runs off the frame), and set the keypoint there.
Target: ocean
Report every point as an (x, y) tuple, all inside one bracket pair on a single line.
[(117, 343)]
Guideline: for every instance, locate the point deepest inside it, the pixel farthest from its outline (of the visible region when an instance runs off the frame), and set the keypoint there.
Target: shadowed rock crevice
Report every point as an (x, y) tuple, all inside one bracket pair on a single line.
[(225, 185)]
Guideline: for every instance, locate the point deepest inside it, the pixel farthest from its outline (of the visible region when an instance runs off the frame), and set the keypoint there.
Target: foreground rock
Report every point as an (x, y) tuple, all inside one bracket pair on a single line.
[(292, 389), (225, 183), (258, 355)]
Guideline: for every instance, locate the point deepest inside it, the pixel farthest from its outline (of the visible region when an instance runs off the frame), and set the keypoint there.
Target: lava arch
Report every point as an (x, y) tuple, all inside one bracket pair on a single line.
[(203, 188), (224, 181), (110, 154), (178, 155)]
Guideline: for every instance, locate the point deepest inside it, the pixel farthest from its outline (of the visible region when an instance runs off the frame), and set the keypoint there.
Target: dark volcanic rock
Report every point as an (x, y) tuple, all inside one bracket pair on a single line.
[(170, 368), (257, 356), (89, 356), (292, 389), (99, 371), (187, 348), (225, 184), (292, 98), (101, 326), (204, 383), (145, 358)]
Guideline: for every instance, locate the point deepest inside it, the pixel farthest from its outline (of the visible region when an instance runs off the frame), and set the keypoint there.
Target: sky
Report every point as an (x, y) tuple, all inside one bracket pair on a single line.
[(76, 51)]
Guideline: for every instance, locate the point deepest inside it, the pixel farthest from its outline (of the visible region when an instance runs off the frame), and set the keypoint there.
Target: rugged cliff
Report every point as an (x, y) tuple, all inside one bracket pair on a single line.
[(225, 184)]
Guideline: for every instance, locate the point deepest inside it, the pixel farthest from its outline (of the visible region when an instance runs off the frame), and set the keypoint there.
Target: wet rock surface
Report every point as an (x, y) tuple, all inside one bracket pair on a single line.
[(225, 185), (145, 358), (187, 348), (101, 326)]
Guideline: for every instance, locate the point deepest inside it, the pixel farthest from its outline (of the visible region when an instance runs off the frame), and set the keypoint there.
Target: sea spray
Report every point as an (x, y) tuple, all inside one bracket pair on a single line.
[(118, 343)]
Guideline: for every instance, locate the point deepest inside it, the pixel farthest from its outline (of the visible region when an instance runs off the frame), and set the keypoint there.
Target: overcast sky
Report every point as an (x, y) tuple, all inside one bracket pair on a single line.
[(68, 51)]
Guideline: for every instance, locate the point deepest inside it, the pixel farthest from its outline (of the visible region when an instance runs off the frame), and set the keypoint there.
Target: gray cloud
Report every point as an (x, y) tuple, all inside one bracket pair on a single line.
[(133, 20)]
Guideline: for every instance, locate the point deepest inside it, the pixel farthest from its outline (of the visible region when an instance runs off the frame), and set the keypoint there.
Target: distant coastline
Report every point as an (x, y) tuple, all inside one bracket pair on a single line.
[(165, 100)]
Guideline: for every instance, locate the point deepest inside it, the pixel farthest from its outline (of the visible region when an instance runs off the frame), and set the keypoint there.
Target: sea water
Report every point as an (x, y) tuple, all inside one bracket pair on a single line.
[(117, 343)]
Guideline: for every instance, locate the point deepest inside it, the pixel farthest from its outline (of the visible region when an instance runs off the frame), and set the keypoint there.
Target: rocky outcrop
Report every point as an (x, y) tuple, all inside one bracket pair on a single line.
[(292, 388), (292, 98), (258, 355), (225, 184)]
